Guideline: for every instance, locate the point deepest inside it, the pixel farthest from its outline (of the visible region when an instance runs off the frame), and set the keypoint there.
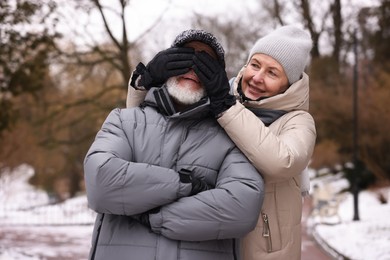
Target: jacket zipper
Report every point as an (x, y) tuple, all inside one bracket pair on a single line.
[(267, 232), (94, 247), (234, 250)]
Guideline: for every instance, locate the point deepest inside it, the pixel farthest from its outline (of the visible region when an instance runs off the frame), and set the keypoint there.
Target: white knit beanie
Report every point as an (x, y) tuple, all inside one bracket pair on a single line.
[(288, 45)]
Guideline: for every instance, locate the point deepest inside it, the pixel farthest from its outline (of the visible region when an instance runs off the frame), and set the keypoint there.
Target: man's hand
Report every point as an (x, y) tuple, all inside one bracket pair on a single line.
[(214, 78), (198, 185), (143, 218), (168, 63)]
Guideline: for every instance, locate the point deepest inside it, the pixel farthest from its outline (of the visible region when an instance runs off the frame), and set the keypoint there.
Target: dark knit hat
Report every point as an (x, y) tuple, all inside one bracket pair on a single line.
[(201, 36), (290, 46)]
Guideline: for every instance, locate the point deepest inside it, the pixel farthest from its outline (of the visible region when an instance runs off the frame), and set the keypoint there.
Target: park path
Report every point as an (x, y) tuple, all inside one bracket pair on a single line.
[(45, 242), (310, 248), (73, 242)]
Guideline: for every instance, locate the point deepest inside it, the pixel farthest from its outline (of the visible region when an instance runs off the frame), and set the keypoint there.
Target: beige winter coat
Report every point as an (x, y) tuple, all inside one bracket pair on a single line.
[(280, 153)]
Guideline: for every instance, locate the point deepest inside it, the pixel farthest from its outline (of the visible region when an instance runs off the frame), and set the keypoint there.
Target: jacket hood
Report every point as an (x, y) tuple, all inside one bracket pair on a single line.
[(296, 97), (160, 99)]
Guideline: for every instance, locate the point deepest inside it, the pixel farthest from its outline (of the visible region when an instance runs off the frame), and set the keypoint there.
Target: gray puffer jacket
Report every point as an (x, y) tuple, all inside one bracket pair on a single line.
[(132, 167)]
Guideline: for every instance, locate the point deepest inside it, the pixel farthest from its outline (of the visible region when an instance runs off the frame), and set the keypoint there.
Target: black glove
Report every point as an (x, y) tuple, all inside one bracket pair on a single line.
[(214, 78), (198, 185), (170, 62), (143, 218)]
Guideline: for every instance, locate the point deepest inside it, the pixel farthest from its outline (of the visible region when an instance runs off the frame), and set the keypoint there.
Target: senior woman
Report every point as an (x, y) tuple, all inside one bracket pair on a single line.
[(271, 125)]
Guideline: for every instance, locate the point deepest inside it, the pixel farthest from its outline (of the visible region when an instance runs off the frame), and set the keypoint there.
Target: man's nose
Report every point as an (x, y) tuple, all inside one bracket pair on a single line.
[(192, 73)]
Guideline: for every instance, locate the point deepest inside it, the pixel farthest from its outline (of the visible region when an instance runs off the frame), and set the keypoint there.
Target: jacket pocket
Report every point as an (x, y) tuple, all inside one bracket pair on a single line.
[(271, 234), (266, 232), (269, 221)]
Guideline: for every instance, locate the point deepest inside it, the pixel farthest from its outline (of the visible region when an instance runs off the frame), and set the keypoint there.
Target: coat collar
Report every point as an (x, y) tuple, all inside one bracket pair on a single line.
[(160, 99)]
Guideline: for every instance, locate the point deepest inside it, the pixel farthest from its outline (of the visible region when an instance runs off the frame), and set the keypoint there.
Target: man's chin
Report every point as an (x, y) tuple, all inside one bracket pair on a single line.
[(184, 94)]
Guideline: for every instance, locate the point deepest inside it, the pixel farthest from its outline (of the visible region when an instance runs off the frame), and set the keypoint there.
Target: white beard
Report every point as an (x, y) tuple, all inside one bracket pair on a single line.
[(184, 94)]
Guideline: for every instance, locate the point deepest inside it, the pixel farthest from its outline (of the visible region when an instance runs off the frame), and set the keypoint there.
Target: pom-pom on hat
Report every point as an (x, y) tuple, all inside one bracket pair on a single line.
[(202, 36), (288, 45)]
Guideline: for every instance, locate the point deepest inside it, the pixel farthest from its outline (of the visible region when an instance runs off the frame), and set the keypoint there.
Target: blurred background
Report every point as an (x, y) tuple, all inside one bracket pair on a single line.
[(65, 64)]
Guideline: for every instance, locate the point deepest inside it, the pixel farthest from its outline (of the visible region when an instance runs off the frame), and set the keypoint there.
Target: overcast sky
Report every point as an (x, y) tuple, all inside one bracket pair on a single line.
[(141, 14)]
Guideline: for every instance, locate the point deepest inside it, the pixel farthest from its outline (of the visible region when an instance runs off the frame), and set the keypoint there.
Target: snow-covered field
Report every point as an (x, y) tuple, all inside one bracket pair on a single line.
[(45, 242), (32, 228), (368, 238), (23, 204)]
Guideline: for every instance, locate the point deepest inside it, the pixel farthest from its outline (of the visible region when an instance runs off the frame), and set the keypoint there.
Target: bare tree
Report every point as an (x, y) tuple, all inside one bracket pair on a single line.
[(25, 51), (337, 28), (314, 20), (310, 25), (85, 84)]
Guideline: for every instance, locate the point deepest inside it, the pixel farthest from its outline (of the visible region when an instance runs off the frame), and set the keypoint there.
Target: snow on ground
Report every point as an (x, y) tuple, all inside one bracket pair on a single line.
[(368, 238), (21, 203), (31, 227), (45, 242)]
